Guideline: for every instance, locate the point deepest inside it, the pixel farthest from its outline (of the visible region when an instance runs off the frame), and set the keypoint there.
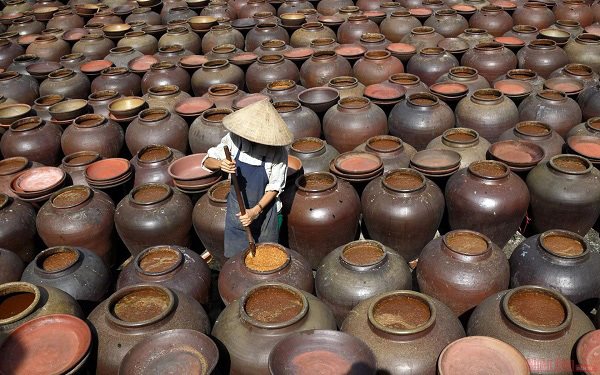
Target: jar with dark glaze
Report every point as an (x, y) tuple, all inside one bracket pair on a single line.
[(172, 54), (18, 235), (322, 67), (588, 101), (309, 32), (552, 107), (182, 36), (219, 9), (49, 48), (559, 260), (264, 32), (222, 34), (466, 142), (133, 313), (526, 33), (354, 27), (490, 59), (166, 96), (207, 130), (165, 73), (526, 75), (431, 63), (406, 330), (410, 82), (467, 76), (447, 22), (542, 56), (321, 214), (139, 41), (348, 11), (302, 121), (42, 105), (66, 82), (540, 323), (270, 68), (122, 55), (475, 36), (208, 218), (8, 52), (255, 6), (154, 214), (398, 24), (582, 73), (422, 37), (34, 139), (374, 41), (314, 153), (151, 164), (20, 87), (177, 268), (76, 163), (352, 121), (17, 6), (11, 267), (177, 13), (419, 118), (534, 14), (584, 49), (26, 25), (224, 94), (94, 46), (376, 67), (330, 7), (107, 17), (283, 90), (488, 112), (447, 261), (25, 301), (93, 132), (326, 44), (576, 10), (573, 202), (591, 128), (222, 51), (573, 27), (144, 14), (157, 126), (121, 80), (347, 86), (492, 18), (539, 133), (216, 72), (393, 152), (74, 61), (273, 47), (99, 101)]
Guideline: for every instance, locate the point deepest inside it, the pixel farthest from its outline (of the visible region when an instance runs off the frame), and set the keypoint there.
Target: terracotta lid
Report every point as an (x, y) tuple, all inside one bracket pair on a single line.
[(193, 106), (107, 169), (421, 11), (246, 100), (569, 86), (513, 87), (436, 160), (517, 153), (42, 178), (294, 165), (95, 66), (357, 162), (188, 167), (584, 145), (193, 60), (449, 89), (298, 53), (463, 8), (52, 344), (142, 63), (401, 48), (350, 50), (383, 92), (588, 351), (510, 41)]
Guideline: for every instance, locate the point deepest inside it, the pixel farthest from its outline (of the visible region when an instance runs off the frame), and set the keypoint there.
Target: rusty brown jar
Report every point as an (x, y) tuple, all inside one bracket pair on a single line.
[(20, 87), (106, 17), (220, 35), (139, 41), (11, 267), (397, 25), (376, 67), (282, 90), (121, 80), (326, 44), (19, 233), (431, 63), (66, 82), (302, 121), (145, 14), (374, 41), (222, 51), (93, 132), (136, 312), (182, 36), (347, 86), (539, 133), (588, 101), (34, 139), (576, 10), (551, 107), (154, 214), (447, 261), (166, 96), (172, 54), (314, 153), (151, 164), (393, 152), (75, 165), (400, 202), (410, 82), (75, 270), (273, 47), (467, 76), (573, 27), (219, 9), (250, 326), (273, 263), (584, 49), (177, 13), (177, 268), (321, 214), (157, 126), (26, 25), (224, 94), (526, 33), (208, 218), (48, 47), (216, 72), (466, 142), (207, 130), (590, 127), (572, 203), (475, 36), (74, 61), (358, 271), (99, 101), (270, 68), (309, 32), (447, 22), (542, 56), (262, 33), (488, 112), (534, 14), (422, 37), (25, 301), (122, 55), (354, 27), (165, 73), (42, 105), (559, 260), (292, 6), (8, 51), (526, 75), (490, 59), (322, 67), (488, 198), (406, 330), (255, 6), (581, 72), (492, 18), (330, 7), (94, 46), (352, 122), (540, 323), (419, 118)]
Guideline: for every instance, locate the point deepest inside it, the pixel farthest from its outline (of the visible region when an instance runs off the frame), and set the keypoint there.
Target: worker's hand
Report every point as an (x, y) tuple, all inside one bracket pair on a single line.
[(248, 218), (228, 166)]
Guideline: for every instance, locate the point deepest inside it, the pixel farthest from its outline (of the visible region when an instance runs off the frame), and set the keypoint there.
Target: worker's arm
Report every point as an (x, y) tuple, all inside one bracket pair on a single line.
[(215, 157), (253, 212), (225, 165)]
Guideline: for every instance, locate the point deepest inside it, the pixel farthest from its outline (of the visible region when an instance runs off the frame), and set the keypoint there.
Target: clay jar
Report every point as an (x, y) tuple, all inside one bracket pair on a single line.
[(282, 90), (302, 121), (207, 130), (466, 142), (94, 46), (576, 10), (220, 35), (590, 127), (165, 96), (151, 164), (314, 153), (19, 233), (154, 214), (419, 118), (8, 52), (157, 126), (208, 218), (431, 63), (122, 55), (588, 101), (447, 261), (488, 112), (474, 36), (542, 56), (551, 107), (270, 68), (322, 67), (397, 25), (422, 37), (534, 14), (139, 41), (26, 25), (66, 82), (19, 87), (272, 263), (559, 260), (572, 203), (48, 47), (93, 132), (25, 301), (251, 326), (255, 6), (321, 214), (74, 270), (216, 72), (352, 122), (133, 313), (540, 323), (121, 80), (406, 330), (393, 152), (354, 27), (166, 73), (309, 32), (182, 36), (580, 72), (11, 267), (538, 133), (376, 67), (492, 18), (174, 267), (34, 139), (262, 33), (358, 271), (447, 23), (490, 59), (584, 49)]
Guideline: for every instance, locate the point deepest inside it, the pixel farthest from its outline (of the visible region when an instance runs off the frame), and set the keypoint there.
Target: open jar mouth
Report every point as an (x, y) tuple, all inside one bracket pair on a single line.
[(57, 259), (5, 76), (219, 192), (579, 70), (81, 158), (215, 115), (312, 26), (215, 64), (149, 194), (522, 74), (324, 55), (273, 305), (489, 46), (588, 38), (113, 71), (13, 165), (223, 89), (20, 299), (270, 59), (404, 180), (593, 123), (273, 43), (489, 169), (553, 95), (467, 242), (70, 196), (460, 136), (153, 114), (475, 31), (269, 258), (72, 57), (281, 85), (564, 244), (308, 145), (163, 65), (384, 143), (130, 34), (178, 30), (26, 124), (139, 305), (525, 29), (354, 102), (431, 51), (286, 106), (422, 99), (224, 48), (568, 23), (173, 48), (319, 42), (265, 25), (570, 164), (48, 100), (343, 82), (103, 95), (542, 44), (316, 182), (363, 254), (405, 79), (61, 73), (422, 30), (401, 13), (158, 260), (531, 4), (89, 120), (445, 12), (488, 95), (533, 129), (164, 90), (121, 50), (154, 154), (402, 312), (372, 38)]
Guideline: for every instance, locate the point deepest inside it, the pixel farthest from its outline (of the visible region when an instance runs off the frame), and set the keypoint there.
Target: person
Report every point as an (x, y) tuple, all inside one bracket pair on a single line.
[(257, 138)]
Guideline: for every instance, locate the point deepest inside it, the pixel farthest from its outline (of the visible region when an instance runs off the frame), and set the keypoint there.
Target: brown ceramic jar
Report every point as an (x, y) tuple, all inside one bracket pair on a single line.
[(93, 132), (19, 233), (492, 18), (42, 105), (208, 218), (139, 41), (581, 72), (151, 165), (11, 267), (8, 51), (590, 127), (576, 10), (551, 107), (526, 33), (122, 55), (182, 36), (309, 32), (166, 73), (347, 86), (447, 261), (330, 7), (121, 80), (376, 67), (475, 36), (393, 152), (302, 121), (207, 130), (584, 49), (262, 33), (172, 54), (282, 90), (422, 37), (270, 68), (157, 126), (26, 25), (488, 198), (48, 47), (314, 153), (431, 63), (588, 101), (467, 76), (99, 101), (20, 87), (145, 14), (224, 94), (539, 133), (447, 22), (216, 72), (94, 46), (166, 96), (490, 59), (542, 56), (220, 35), (354, 27), (464, 141), (322, 67), (410, 82), (397, 25), (76, 163), (34, 139), (534, 14), (66, 82)]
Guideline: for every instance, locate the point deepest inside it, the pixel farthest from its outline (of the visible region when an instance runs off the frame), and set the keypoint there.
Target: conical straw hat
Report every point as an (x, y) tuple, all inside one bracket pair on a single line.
[(259, 122)]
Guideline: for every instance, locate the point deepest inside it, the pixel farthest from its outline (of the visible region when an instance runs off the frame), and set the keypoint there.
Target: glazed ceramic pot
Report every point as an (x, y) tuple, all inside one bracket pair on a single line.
[(34, 139), (20, 87), (144, 14), (157, 126), (406, 330), (177, 13), (270, 68), (122, 55), (393, 152), (505, 194), (224, 94), (208, 218), (93, 132), (330, 7), (136, 312), (588, 101), (66, 82), (11, 266), (397, 25), (74, 61), (151, 164), (534, 14), (281, 91), (302, 121), (20, 63), (422, 37), (48, 47), (538, 133), (173, 53), (551, 107), (140, 42), (542, 56), (255, 6), (309, 32), (394, 205), (216, 72), (576, 10), (220, 35), (75, 165), (19, 235), (322, 67), (166, 96), (207, 130), (590, 127), (183, 37), (490, 59), (581, 72), (525, 75), (431, 63), (354, 27), (262, 33), (410, 82), (94, 46), (26, 25), (250, 327), (461, 255), (583, 50), (121, 80), (492, 18), (572, 203), (8, 51), (166, 73), (314, 153), (447, 22), (464, 141), (474, 36), (376, 67)]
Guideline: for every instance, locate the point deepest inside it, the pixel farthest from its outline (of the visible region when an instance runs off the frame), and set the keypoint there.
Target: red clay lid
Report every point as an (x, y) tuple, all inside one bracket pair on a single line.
[(297, 53), (567, 85), (95, 66), (420, 11), (517, 153), (42, 178), (379, 91), (513, 87), (188, 167), (192, 106), (52, 344), (401, 48), (142, 63), (193, 60), (588, 350), (244, 56), (588, 146), (593, 29), (350, 50), (107, 169), (246, 100), (463, 8), (357, 162), (373, 13), (449, 88), (510, 41)]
